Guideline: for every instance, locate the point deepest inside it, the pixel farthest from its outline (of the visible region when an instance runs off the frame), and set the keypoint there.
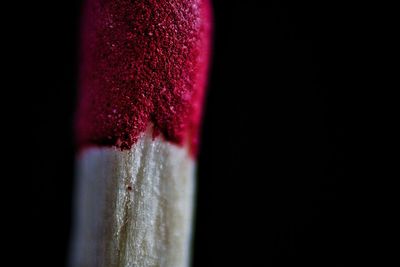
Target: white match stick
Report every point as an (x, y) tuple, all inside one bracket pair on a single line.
[(135, 206)]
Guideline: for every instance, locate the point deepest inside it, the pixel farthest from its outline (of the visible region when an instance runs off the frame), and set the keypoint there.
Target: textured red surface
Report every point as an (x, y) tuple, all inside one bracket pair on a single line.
[(144, 63)]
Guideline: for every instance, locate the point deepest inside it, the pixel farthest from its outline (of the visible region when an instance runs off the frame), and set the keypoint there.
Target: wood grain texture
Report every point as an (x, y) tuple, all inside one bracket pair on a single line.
[(134, 207)]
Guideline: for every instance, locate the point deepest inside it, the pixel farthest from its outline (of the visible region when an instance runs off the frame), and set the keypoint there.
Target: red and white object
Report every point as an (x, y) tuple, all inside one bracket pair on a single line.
[(143, 75)]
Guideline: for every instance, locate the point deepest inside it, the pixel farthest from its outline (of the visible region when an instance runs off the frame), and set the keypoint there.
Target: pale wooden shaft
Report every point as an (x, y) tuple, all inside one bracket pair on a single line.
[(134, 208)]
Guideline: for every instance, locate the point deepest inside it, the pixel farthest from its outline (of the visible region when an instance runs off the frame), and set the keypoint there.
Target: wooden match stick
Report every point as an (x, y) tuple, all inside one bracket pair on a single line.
[(143, 73)]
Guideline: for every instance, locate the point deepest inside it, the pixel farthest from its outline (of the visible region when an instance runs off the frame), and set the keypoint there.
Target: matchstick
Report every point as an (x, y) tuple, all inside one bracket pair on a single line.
[(143, 74)]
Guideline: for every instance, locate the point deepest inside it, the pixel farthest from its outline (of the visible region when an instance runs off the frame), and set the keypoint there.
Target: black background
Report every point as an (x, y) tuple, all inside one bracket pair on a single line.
[(271, 186)]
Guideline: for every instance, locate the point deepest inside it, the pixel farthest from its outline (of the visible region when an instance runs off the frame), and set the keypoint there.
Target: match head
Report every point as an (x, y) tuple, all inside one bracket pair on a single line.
[(144, 64)]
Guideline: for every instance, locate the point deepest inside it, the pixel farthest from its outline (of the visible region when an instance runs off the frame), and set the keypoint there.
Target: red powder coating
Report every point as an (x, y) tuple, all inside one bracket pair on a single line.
[(143, 63)]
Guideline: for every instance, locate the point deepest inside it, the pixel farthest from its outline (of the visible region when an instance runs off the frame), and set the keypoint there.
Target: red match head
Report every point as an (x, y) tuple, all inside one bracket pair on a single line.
[(143, 63)]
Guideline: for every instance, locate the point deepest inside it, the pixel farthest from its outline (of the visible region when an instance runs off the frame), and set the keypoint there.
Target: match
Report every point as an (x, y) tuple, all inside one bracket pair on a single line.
[(143, 75)]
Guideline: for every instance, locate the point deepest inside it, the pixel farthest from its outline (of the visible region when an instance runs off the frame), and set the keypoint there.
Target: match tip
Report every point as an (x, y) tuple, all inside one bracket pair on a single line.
[(144, 64)]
